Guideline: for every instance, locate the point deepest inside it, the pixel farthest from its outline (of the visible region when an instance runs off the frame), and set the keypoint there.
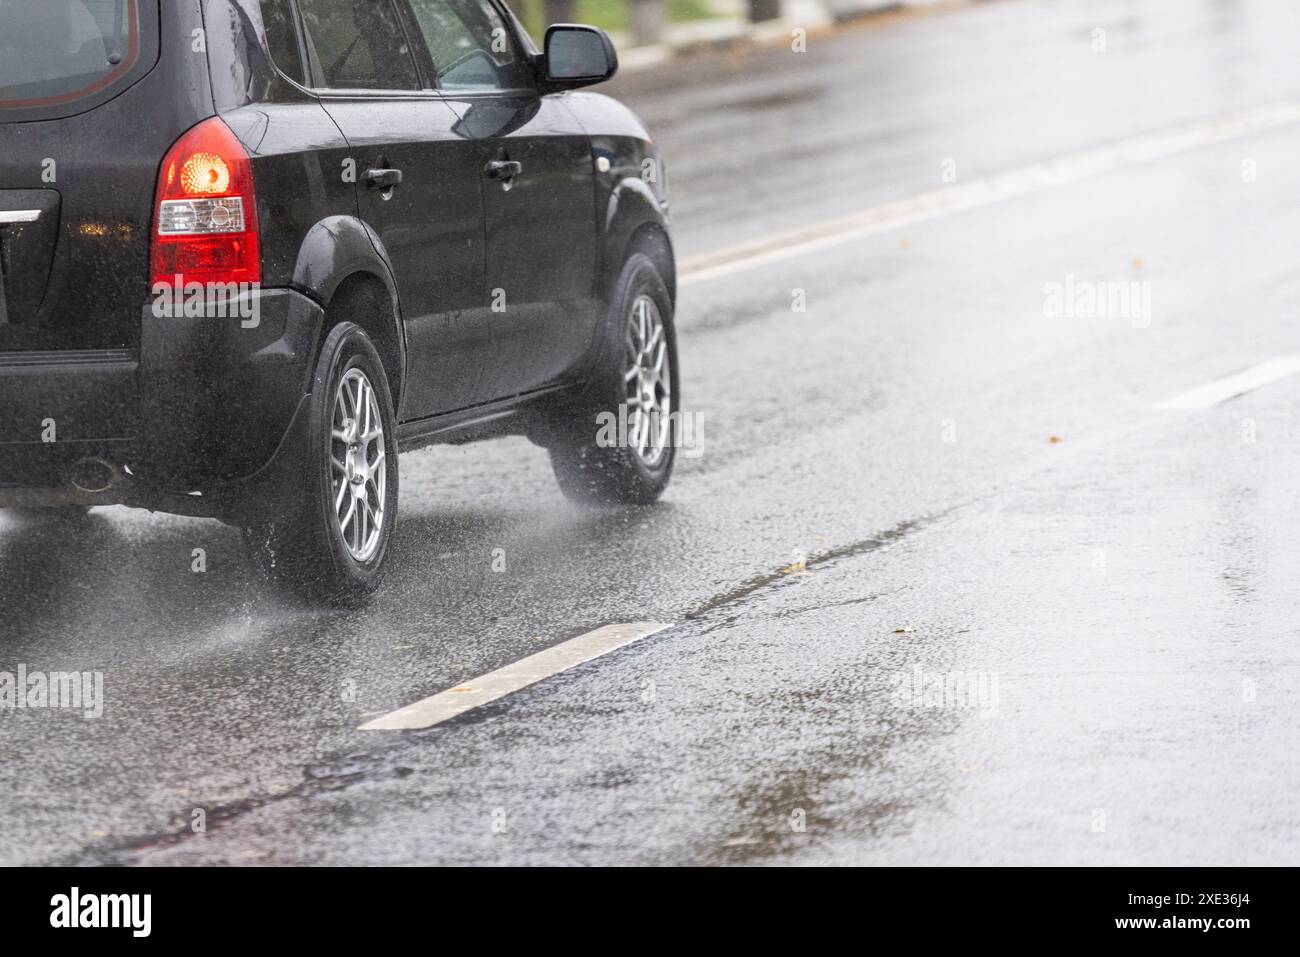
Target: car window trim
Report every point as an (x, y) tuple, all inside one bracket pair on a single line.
[(304, 55), (299, 83), (364, 93), (526, 49), (516, 92), (523, 54), (423, 61), (317, 73), (311, 63)]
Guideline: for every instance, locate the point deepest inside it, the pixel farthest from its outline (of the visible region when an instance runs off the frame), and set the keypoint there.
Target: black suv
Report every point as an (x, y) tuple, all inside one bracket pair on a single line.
[(250, 250)]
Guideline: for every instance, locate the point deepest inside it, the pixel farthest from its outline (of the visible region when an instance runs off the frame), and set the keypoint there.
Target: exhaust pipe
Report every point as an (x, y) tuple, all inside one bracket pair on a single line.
[(89, 481), (94, 476)]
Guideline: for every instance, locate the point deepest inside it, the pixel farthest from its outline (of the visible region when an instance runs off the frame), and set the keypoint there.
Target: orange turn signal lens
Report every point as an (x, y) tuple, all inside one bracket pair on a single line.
[(205, 174)]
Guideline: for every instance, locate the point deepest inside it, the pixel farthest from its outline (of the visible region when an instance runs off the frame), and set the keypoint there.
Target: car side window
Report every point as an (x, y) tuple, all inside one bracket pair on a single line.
[(282, 37), (359, 44), (471, 47)]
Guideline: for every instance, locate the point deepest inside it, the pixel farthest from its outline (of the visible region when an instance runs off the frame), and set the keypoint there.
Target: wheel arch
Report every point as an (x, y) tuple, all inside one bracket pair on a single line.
[(634, 222), (343, 265)]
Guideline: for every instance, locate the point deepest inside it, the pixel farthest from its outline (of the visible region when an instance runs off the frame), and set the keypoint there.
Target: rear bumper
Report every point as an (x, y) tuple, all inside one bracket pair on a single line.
[(205, 405)]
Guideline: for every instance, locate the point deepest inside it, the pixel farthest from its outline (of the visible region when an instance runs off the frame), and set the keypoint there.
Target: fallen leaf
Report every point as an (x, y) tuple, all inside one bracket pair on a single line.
[(905, 630), (1055, 440)]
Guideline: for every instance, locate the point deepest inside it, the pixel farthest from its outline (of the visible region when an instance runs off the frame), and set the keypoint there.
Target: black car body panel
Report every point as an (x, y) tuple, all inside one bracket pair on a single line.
[(98, 169), (437, 262), (486, 294)]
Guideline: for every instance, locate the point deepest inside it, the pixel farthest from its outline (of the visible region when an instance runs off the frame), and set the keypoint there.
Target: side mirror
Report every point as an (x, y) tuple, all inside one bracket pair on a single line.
[(578, 56)]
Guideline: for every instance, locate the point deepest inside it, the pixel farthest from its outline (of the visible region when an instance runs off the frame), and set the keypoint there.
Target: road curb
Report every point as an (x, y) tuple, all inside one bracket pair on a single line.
[(708, 36)]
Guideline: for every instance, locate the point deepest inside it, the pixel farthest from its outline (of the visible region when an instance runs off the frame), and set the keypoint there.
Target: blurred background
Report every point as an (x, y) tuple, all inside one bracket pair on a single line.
[(640, 23)]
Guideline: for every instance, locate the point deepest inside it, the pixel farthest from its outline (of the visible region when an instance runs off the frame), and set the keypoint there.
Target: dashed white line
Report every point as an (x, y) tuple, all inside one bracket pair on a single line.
[(870, 222), (982, 192), (497, 684), (1221, 390)]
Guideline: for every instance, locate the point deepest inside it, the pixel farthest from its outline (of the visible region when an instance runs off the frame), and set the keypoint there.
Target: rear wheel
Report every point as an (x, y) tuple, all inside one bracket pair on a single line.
[(333, 543), (618, 444)]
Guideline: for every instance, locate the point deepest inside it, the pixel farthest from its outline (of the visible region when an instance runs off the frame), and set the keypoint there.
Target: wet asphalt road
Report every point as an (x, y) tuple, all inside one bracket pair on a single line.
[(980, 491)]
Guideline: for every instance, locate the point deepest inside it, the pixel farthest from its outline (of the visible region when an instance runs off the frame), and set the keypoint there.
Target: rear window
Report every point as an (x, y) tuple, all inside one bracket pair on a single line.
[(57, 52)]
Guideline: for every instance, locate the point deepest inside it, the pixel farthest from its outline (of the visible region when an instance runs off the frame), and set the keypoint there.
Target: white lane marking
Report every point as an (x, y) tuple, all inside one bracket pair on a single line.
[(497, 684), (1221, 390), (982, 192)]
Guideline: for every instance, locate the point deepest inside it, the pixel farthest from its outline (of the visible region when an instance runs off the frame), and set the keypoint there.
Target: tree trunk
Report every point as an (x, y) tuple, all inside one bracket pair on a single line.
[(559, 11), (647, 21), (760, 10)]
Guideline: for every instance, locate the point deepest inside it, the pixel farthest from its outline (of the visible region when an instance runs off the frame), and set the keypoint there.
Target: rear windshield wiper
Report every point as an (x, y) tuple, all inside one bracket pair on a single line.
[(119, 18)]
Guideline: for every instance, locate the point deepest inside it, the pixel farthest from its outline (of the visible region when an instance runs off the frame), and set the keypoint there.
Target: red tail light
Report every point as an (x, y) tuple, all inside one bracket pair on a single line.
[(205, 216)]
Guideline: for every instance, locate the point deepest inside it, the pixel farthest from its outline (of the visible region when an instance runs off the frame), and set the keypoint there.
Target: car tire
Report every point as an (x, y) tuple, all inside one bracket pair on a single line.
[(598, 450), (334, 541)]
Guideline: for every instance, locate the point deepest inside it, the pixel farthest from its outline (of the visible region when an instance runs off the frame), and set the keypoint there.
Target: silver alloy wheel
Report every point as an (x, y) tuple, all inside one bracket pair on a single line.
[(357, 471), (649, 383)]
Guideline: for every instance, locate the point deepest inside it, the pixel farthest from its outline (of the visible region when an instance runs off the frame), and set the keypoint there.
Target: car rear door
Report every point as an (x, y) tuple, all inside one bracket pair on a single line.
[(418, 188), (535, 165)]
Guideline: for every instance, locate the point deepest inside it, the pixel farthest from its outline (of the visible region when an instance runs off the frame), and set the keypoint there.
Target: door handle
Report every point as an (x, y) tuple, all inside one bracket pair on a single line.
[(504, 170), (382, 178)]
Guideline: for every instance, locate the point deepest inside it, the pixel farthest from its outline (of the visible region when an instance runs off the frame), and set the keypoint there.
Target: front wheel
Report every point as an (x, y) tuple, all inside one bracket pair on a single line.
[(333, 542), (617, 445)]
